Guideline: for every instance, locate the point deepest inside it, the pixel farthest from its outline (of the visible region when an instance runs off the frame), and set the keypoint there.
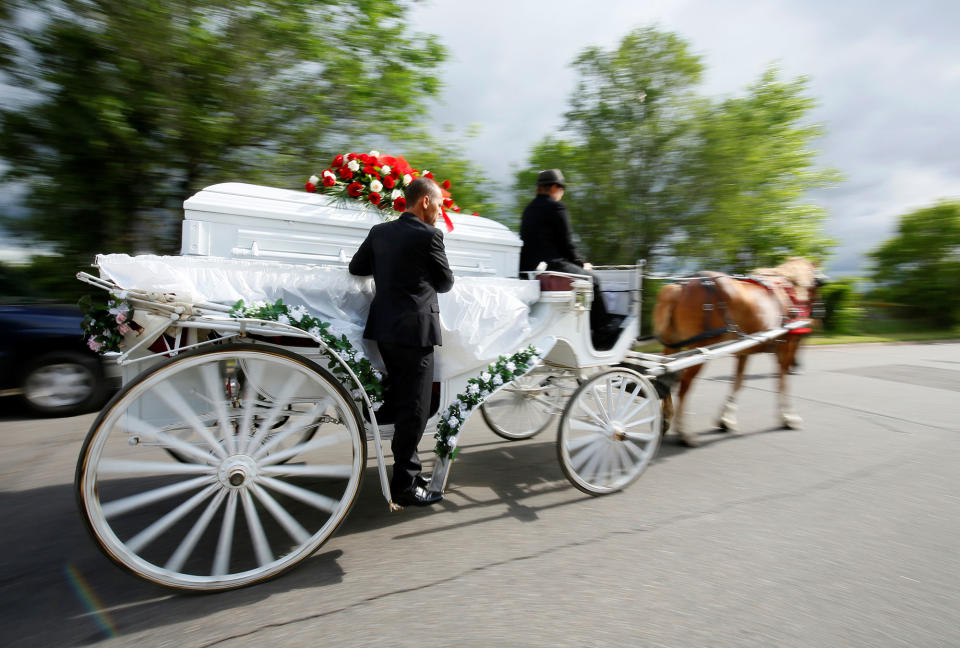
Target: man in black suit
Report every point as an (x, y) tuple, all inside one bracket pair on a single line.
[(547, 237), (409, 266)]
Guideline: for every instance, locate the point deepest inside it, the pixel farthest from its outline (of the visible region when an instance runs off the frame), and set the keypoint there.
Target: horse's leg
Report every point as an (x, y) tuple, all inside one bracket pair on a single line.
[(728, 416), (686, 378), (785, 355)]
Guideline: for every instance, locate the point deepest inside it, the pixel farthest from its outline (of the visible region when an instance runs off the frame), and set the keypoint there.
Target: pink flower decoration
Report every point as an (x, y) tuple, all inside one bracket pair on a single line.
[(123, 329), (93, 344), (121, 317)]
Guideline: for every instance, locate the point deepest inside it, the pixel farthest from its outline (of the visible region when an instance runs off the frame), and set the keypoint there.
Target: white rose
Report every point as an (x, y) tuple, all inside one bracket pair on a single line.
[(385, 170), (485, 377), (473, 389), (328, 173), (297, 313), (452, 441), (283, 319), (353, 165), (423, 174), (375, 153), (315, 331), (511, 367), (407, 179), (375, 185), (395, 194), (314, 179), (497, 380)]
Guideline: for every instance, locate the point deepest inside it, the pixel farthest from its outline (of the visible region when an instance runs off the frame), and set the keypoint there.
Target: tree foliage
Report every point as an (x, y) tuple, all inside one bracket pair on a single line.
[(133, 105), (920, 266), (658, 172)]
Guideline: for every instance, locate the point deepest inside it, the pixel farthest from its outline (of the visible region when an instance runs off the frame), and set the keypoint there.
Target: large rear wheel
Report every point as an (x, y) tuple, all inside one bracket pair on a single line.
[(221, 468)]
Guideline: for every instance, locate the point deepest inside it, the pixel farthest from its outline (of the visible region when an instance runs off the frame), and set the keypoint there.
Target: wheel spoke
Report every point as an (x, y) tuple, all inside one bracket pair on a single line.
[(316, 500), (126, 504), (625, 466), (637, 452), (586, 454), (153, 531), (260, 544), (294, 528), (302, 423), (254, 375), (645, 437), (599, 401), (342, 472), (589, 470), (639, 406), (221, 561), (592, 414), (133, 424), (175, 400), (190, 540), (603, 464), (113, 467), (575, 444), (212, 381), (282, 400)]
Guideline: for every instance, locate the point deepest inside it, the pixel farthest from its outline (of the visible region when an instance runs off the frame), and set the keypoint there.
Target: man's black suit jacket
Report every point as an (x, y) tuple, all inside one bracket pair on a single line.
[(545, 230), (409, 266)]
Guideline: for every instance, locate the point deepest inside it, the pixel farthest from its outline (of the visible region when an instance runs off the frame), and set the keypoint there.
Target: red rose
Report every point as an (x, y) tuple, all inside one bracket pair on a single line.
[(399, 204), (446, 184), (374, 197), (354, 189), (428, 175), (456, 208), (345, 172), (448, 202), (337, 161), (352, 156), (475, 214), (311, 187), (370, 170), (329, 180), (389, 182)]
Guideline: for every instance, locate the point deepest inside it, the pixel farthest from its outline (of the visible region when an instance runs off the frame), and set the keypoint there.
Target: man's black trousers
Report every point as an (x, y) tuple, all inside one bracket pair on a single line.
[(409, 387)]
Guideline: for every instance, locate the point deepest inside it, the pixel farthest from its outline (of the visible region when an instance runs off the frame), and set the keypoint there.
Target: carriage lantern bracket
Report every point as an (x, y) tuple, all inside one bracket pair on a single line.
[(582, 297)]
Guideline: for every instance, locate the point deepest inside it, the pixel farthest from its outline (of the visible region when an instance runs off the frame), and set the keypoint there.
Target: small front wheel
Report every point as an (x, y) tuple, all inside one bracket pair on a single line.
[(609, 431), (221, 468)]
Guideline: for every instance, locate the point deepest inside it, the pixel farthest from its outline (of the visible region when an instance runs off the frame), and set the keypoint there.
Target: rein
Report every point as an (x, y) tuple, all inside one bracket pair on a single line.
[(708, 282)]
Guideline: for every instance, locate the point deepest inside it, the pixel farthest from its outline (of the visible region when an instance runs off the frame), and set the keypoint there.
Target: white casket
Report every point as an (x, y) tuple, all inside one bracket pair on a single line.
[(244, 221)]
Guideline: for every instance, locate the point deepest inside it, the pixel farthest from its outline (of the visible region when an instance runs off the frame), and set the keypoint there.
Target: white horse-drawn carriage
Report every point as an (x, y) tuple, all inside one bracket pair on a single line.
[(237, 444)]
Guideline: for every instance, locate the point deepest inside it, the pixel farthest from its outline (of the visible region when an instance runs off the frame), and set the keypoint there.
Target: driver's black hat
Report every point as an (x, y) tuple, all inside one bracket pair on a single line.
[(551, 177)]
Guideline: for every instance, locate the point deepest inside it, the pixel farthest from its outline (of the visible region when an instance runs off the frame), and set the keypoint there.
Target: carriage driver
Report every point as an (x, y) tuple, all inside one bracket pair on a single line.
[(409, 266), (547, 237)]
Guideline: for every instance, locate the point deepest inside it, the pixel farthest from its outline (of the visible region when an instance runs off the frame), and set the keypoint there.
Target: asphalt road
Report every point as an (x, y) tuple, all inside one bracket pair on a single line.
[(844, 533)]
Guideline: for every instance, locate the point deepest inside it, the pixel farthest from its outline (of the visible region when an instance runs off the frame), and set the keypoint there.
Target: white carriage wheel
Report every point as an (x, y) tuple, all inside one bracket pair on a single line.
[(243, 497), (527, 405), (609, 431)]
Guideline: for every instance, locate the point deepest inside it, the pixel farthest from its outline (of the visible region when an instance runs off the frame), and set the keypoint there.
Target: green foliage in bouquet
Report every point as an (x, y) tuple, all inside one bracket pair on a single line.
[(105, 324)]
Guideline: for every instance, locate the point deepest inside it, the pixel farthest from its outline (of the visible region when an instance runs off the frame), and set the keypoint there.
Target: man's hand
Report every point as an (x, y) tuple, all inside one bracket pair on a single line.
[(587, 265)]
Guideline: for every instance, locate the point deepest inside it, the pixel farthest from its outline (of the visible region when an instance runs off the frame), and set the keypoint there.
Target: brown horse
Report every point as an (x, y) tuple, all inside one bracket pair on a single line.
[(712, 307)]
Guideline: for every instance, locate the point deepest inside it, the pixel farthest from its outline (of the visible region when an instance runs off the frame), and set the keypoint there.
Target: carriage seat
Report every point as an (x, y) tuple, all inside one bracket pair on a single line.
[(552, 281)]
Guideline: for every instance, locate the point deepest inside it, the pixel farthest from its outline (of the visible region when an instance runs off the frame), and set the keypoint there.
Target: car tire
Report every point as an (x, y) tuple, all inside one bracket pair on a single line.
[(63, 383)]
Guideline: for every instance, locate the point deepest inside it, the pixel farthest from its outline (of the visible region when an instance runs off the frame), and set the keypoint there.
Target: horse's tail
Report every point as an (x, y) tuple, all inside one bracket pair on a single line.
[(667, 300)]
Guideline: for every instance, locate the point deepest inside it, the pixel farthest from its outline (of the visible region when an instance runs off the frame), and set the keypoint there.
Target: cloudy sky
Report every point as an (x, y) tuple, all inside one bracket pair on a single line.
[(886, 75)]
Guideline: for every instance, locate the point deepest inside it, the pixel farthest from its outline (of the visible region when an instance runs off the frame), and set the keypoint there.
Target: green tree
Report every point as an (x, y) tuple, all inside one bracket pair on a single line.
[(920, 266), (133, 105), (626, 147), (656, 171), (754, 165)]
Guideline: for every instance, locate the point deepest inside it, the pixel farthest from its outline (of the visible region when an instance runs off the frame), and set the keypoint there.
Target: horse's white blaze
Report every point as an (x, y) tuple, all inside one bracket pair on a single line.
[(132, 502)]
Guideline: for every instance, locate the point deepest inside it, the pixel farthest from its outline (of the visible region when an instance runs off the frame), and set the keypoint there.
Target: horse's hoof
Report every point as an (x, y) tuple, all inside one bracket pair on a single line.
[(689, 441), (728, 425), (792, 422)]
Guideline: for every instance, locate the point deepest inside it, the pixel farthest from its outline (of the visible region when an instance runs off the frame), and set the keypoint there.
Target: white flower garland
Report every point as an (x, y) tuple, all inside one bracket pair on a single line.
[(497, 374)]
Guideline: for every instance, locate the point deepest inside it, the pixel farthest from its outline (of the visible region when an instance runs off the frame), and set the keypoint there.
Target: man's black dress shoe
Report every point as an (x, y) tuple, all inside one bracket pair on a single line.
[(422, 480), (417, 496)]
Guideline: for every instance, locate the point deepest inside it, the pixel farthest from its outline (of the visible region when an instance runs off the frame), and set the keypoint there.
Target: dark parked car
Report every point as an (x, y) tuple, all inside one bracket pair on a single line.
[(45, 361)]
